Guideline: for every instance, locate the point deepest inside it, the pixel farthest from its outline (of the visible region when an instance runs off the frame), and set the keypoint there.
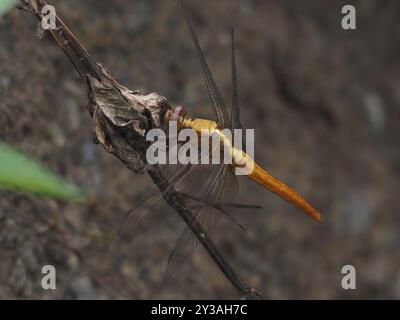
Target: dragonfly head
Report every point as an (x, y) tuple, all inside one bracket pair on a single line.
[(176, 114)]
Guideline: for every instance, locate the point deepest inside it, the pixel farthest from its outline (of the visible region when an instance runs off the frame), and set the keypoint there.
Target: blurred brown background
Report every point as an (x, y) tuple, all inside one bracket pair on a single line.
[(325, 106)]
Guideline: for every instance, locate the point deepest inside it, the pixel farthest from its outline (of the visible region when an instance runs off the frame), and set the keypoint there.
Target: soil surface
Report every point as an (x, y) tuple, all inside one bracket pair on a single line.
[(325, 106)]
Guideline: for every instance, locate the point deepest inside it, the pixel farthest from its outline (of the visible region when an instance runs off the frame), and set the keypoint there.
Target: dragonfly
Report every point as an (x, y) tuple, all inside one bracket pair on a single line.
[(211, 199)]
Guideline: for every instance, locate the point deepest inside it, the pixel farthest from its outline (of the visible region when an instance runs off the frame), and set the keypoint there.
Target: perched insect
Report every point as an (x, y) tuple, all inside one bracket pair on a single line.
[(240, 158), (214, 187)]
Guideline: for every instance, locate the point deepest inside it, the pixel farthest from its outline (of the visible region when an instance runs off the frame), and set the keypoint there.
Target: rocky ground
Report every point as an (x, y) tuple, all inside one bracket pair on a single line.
[(324, 104)]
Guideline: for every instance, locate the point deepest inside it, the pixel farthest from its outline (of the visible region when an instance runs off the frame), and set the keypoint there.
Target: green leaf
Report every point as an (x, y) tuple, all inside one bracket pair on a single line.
[(19, 173), (6, 5)]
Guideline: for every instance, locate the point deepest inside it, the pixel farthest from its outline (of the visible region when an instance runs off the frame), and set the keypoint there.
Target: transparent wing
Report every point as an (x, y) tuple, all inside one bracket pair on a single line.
[(208, 190), (151, 204), (187, 179), (235, 113), (213, 91), (235, 110), (222, 188)]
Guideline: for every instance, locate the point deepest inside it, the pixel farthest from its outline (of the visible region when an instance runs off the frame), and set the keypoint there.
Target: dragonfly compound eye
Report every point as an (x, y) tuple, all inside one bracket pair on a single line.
[(177, 114)]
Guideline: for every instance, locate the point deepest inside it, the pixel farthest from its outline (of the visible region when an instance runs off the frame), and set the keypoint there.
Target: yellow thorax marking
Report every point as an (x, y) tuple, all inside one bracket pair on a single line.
[(200, 126)]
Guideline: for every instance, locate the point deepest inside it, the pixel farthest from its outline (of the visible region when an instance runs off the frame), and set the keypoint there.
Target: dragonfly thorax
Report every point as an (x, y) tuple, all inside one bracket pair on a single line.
[(204, 128), (200, 126)]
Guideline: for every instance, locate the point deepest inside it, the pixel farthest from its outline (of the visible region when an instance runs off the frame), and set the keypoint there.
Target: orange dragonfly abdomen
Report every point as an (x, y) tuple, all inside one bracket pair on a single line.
[(263, 178), (240, 158)]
